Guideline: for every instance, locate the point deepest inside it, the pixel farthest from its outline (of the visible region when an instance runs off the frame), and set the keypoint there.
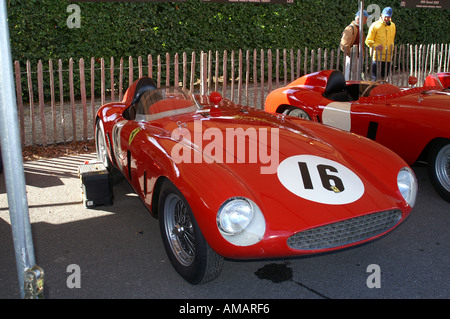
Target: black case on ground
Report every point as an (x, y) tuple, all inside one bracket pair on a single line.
[(96, 186)]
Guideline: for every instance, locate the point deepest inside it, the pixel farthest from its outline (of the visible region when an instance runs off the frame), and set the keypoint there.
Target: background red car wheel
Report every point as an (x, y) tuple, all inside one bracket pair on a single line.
[(439, 167)]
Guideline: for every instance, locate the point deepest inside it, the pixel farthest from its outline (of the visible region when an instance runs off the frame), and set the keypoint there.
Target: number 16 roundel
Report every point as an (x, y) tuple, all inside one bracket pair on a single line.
[(320, 180)]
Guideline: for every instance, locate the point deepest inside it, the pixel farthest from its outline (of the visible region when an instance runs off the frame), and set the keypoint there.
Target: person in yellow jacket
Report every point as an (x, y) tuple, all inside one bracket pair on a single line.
[(380, 40)]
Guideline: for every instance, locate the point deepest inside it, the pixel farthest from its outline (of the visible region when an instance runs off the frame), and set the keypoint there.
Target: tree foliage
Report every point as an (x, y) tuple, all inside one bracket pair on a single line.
[(39, 31)]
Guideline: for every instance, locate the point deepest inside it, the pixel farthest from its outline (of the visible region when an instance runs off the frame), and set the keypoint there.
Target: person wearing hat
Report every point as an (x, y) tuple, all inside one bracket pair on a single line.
[(350, 37), (380, 40)]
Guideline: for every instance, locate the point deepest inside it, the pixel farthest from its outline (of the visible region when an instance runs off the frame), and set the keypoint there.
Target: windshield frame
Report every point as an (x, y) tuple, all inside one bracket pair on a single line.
[(163, 101)]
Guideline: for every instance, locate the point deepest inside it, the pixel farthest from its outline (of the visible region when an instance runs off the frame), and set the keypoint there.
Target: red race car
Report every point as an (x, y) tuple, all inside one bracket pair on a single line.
[(237, 182), (414, 123)]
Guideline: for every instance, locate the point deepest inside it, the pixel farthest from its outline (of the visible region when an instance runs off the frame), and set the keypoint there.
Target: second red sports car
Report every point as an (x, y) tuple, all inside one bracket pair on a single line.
[(414, 123)]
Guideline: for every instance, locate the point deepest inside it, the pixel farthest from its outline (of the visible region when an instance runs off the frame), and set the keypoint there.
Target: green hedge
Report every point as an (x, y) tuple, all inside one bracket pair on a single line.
[(38, 28)]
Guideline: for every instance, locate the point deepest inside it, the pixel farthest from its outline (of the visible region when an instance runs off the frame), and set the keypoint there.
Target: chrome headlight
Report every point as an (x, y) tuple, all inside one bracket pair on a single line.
[(240, 221), (407, 185)]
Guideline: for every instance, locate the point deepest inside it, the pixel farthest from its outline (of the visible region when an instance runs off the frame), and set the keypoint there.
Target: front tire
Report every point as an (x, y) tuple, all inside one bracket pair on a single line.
[(187, 249), (439, 168), (297, 113)]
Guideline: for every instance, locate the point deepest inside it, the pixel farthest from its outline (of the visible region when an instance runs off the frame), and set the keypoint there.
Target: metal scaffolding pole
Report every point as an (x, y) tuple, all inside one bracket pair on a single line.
[(360, 65), (13, 164)]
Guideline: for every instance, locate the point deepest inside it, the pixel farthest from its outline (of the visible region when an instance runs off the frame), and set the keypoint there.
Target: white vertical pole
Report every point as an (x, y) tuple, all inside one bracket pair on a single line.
[(12, 158), (359, 67)]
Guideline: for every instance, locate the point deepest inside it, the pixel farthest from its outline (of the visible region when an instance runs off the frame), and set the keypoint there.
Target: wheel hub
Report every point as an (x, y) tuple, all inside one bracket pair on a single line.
[(178, 231)]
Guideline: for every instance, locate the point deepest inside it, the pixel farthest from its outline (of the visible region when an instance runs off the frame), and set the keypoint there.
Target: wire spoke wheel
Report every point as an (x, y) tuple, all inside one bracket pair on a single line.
[(179, 230), (186, 248), (100, 145), (442, 167), (439, 168)]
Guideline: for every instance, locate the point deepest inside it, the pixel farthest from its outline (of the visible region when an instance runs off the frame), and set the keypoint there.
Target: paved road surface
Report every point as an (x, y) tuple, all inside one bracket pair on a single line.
[(119, 252)]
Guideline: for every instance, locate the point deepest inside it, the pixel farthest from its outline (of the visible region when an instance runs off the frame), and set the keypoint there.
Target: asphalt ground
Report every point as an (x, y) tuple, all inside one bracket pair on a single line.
[(119, 252)]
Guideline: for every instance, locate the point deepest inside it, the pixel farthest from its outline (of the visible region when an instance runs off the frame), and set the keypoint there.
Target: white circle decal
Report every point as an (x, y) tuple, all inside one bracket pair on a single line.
[(320, 180)]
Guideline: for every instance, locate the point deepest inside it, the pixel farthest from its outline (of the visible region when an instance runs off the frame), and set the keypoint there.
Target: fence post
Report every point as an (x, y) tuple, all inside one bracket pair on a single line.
[(184, 69), (269, 70), (255, 77), (285, 60), (93, 89), (61, 99), (203, 73), (216, 73), (83, 99), (41, 102), (247, 74), (232, 75), (167, 69), (192, 81), (52, 100), (240, 78), (20, 102), (111, 74), (175, 70), (224, 73), (299, 54), (150, 66), (262, 79), (31, 99), (72, 100)]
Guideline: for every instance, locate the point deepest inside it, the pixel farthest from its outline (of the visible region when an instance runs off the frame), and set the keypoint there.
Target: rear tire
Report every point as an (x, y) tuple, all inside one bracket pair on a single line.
[(439, 168), (101, 146), (102, 153), (187, 249)]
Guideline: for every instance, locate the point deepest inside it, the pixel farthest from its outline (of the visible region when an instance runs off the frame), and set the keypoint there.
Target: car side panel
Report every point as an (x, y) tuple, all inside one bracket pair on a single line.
[(403, 129)]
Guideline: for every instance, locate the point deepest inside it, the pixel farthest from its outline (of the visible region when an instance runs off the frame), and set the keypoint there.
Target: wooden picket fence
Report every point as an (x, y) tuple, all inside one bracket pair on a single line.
[(68, 95)]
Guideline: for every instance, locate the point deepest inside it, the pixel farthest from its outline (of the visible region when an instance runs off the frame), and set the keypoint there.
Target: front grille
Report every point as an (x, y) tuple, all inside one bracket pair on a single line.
[(345, 232)]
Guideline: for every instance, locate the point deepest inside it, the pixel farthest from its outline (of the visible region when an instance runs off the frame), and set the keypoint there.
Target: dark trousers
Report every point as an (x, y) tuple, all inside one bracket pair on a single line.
[(383, 73)]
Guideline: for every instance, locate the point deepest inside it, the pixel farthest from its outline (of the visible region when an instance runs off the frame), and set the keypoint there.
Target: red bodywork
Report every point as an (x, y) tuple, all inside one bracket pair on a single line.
[(142, 151), (443, 77), (404, 120)]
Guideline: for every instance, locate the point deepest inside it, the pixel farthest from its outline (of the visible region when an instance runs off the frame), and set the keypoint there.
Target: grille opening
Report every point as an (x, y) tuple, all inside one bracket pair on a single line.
[(346, 231)]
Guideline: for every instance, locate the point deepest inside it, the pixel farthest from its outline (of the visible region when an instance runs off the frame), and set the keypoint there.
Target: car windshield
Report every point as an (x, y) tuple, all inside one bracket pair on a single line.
[(165, 102)]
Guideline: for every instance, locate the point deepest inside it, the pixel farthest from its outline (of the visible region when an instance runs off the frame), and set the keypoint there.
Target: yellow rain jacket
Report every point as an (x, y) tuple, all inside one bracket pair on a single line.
[(381, 33)]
